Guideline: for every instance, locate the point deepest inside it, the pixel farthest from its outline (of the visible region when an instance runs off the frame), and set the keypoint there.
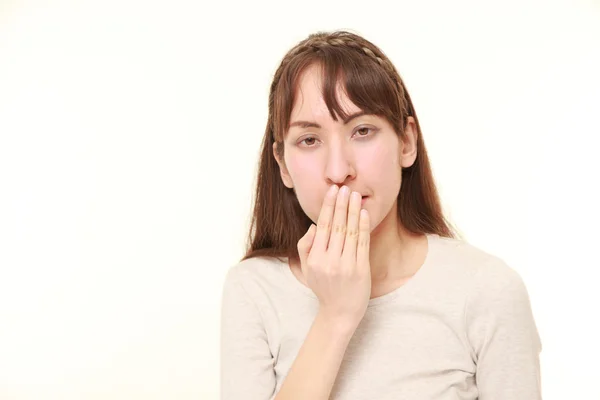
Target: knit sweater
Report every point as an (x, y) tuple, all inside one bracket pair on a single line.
[(461, 328)]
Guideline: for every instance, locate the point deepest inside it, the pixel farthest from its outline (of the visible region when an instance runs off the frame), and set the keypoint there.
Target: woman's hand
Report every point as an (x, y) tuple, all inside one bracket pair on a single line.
[(334, 258)]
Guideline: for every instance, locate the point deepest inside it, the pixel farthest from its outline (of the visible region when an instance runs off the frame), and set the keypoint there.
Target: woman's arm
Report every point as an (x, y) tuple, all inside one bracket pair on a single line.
[(504, 336), (335, 263), (314, 370), (247, 365)]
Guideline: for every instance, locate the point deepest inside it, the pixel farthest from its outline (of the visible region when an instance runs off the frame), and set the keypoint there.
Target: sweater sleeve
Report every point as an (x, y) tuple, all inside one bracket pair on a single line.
[(247, 366), (503, 335)]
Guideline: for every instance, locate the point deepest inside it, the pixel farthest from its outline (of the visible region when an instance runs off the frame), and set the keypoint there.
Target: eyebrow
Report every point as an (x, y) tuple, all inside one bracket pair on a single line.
[(309, 124)]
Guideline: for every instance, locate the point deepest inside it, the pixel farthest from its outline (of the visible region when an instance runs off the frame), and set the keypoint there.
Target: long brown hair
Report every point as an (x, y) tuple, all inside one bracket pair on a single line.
[(372, 83)]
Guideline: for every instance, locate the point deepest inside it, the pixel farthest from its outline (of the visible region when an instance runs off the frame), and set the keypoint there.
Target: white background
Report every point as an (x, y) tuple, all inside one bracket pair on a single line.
[(129, 135)]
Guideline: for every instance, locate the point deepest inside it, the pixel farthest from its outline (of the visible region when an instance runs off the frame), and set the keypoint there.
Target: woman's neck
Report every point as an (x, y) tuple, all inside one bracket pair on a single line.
[(396, 253)]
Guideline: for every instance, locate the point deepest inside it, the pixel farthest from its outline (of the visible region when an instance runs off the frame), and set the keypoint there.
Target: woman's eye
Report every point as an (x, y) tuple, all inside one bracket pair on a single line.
[(308, 141), (361, 132), (365, 131)]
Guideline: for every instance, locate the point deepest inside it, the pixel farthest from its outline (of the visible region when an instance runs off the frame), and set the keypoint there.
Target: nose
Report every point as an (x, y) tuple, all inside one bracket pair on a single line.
[(340, 164)]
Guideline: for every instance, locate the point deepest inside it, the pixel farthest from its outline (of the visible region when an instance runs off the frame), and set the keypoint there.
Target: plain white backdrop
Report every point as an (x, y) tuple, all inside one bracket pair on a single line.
[(129, 135)]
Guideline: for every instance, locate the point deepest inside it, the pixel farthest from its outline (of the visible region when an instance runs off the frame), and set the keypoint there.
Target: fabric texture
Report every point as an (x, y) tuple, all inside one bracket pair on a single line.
[(461, 328)]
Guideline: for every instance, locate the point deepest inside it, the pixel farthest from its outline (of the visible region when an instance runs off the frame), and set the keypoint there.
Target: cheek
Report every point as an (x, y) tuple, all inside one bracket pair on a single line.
[(302, 171), (381, 164), (307, 187)]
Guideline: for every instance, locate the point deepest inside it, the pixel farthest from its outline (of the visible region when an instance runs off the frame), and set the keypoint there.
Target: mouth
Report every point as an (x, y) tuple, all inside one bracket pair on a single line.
[(363, 200)]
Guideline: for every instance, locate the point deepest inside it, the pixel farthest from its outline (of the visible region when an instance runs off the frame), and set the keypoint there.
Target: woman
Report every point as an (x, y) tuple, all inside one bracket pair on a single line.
[(354, 285)]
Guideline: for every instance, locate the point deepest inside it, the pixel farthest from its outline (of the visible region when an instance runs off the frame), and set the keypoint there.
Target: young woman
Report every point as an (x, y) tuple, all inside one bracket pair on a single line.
[(354, 285)]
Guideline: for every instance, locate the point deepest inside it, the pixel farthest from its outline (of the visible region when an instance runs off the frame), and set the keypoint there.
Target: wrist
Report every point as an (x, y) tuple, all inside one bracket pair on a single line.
[(337, 327)]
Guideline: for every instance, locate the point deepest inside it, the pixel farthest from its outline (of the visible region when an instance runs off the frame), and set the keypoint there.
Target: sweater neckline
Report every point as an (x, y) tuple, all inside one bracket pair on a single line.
[(385, 298)]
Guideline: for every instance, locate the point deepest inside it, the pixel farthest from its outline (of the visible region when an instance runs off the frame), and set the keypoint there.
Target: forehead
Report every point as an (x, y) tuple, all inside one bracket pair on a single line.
[(309, 102)]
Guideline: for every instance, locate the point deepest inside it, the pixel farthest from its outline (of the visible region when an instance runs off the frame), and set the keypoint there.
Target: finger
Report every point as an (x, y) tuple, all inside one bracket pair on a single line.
[(338, 229), (364, 239), (305, 244), (350, 242), (325, 220)]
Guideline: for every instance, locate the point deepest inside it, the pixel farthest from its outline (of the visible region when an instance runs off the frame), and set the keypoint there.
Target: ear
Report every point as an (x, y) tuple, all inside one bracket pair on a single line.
[(285, 175), (408, 144)]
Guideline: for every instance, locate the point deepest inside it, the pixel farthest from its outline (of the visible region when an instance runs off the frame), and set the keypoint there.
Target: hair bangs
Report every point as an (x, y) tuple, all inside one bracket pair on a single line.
[(362, 80)]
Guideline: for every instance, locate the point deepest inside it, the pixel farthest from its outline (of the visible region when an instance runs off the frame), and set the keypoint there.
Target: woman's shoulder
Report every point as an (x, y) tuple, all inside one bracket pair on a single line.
[(473, 265), (480, 282), (262, 270)]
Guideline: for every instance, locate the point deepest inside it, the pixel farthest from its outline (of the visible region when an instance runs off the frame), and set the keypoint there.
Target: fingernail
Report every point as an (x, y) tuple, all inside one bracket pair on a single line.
[(345, 190), (332, 189)]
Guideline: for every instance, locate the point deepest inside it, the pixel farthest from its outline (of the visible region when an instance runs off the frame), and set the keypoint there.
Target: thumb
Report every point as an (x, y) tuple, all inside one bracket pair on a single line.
[(305, 244)]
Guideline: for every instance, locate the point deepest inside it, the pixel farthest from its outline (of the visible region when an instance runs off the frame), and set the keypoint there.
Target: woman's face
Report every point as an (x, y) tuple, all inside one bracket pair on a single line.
[(363, 153)]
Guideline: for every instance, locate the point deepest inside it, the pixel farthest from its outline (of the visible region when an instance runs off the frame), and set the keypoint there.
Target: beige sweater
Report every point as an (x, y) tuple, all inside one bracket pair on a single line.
[(460, 328)]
